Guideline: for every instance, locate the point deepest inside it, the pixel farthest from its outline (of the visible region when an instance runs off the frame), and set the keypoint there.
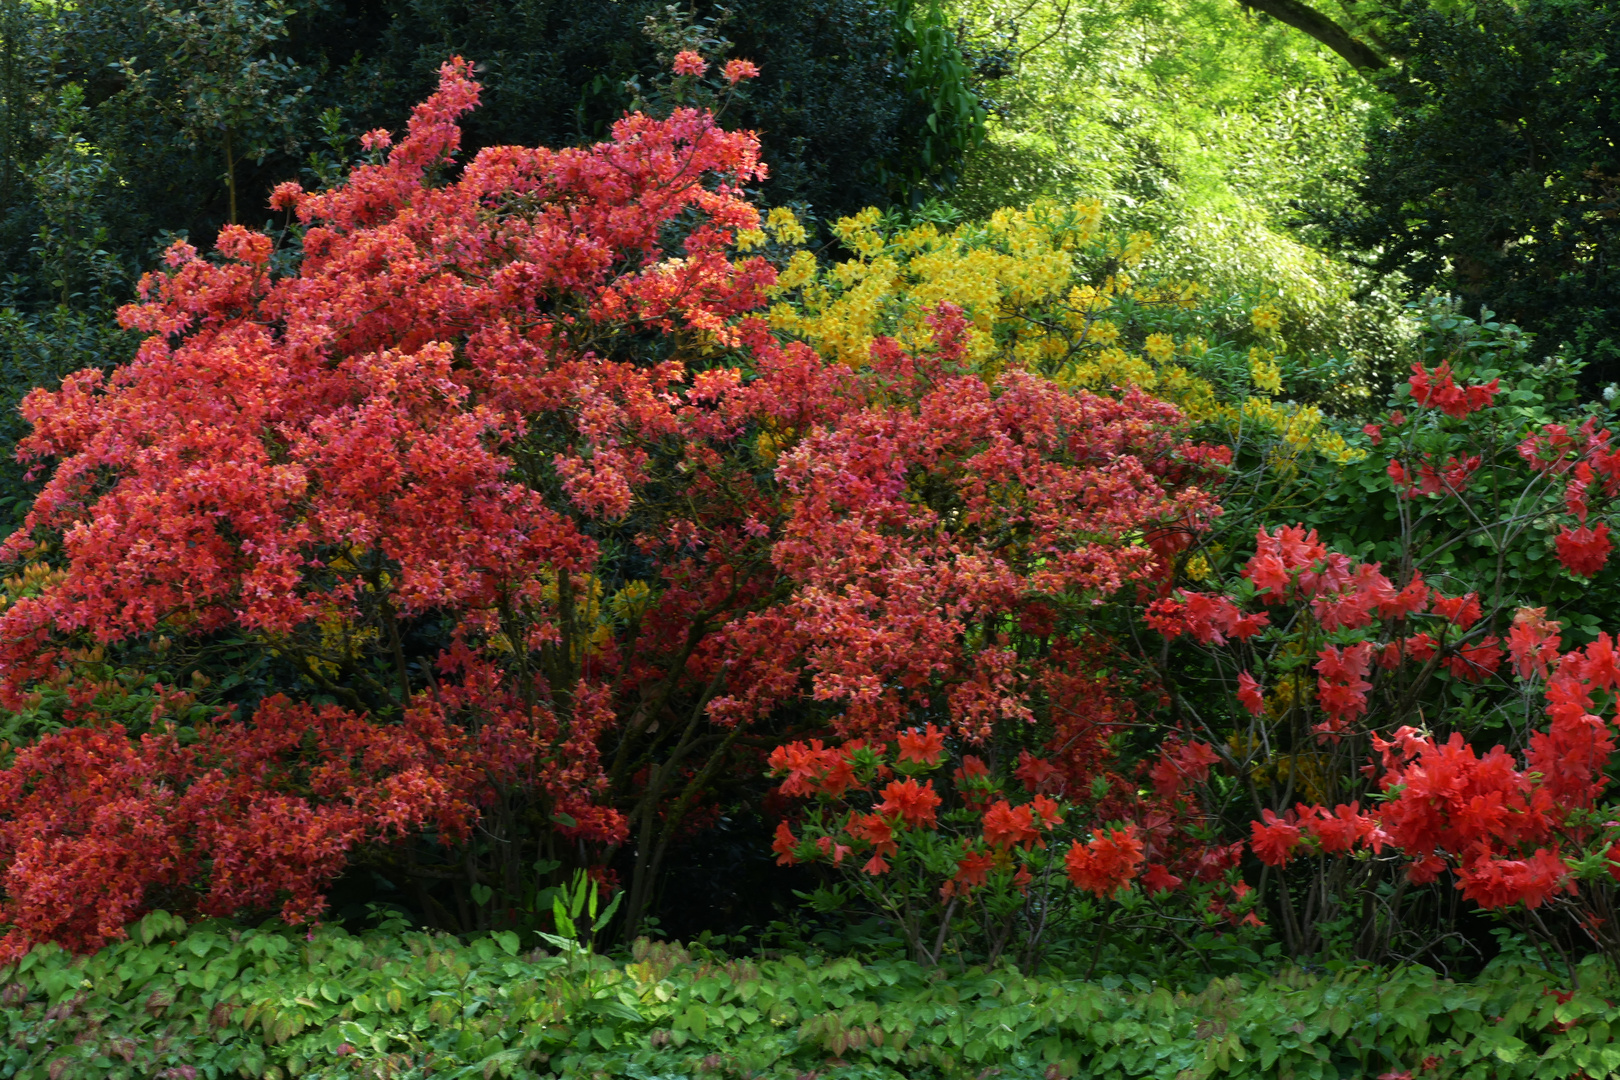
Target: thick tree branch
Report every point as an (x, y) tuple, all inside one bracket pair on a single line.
[(1301, 17)]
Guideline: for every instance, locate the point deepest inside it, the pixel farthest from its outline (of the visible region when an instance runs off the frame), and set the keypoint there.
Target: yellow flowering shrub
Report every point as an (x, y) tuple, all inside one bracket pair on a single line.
[(1047, 288)]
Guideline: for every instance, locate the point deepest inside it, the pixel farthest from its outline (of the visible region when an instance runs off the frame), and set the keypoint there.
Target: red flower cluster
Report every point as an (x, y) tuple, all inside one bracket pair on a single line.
[(1584, 551), (91, 820), (1106, 863), (830, 775), (1506, 831), (1181, 763), (1587, 458), (1439, 390), (1452, 479), (813, 769), (1209, 618)]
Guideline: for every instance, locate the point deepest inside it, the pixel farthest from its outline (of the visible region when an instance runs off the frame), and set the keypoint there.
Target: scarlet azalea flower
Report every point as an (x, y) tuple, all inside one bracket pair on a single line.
[(738, 70), (924, 747), (911, 802), (1342, 829), (973, 782), (1274, 838), (828, 846), (1006, 826), (1420, 647), (688, 62), (1341, 687), (1158, 879), (1269, 575), (1600, 664), (1463, 611), (1533, 642), (1440, 390), (1107, 863), (972, 871), (874, 829), (1476, 663), (1411, 600), (812, 768), (1249, 694), (785, 845), (1584, 551), (971, 769), (1035, 773), (1049, 813), (1179, 763)]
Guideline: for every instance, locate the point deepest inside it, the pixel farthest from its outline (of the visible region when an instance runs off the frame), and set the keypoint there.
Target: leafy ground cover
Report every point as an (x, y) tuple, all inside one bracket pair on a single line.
[(212, 1000)]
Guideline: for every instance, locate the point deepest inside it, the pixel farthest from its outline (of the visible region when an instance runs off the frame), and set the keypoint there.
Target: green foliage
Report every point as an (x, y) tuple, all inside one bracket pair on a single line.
[(1496, 174), (224, 1001), (1202, 124), (191, 112), (226, 90), (37, 348), (939, 82)]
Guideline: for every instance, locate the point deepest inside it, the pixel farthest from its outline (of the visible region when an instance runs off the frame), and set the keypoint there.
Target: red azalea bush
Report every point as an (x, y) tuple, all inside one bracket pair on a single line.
[(982, 867), (540, 521), (1319, 652)]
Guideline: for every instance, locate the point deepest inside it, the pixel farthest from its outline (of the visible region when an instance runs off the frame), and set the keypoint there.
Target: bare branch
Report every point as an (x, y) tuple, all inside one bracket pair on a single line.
[(1302, 17)]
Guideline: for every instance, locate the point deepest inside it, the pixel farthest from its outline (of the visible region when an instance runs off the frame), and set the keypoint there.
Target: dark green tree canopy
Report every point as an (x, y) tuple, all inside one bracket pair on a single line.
[(190, 105), (1498, 177)]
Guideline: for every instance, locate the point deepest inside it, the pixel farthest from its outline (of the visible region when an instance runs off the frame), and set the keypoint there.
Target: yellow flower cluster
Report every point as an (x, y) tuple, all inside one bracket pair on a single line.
[(785, 227), (1290, 431), (1266, 319), (1045, 289), (1263, 371)]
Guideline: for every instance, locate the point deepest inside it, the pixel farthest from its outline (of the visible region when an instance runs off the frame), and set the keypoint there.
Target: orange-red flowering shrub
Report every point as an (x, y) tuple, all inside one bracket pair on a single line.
[(542, 518), (1508, 833), (1296, 661), (979, 867)]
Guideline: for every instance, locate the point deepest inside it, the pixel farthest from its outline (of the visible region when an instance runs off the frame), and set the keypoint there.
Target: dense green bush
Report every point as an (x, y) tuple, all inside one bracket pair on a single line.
[(214, 1000), (1496, 174)]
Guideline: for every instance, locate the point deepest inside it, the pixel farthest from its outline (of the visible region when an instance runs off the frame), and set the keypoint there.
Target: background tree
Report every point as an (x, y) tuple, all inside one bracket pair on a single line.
[(1497, 176), (1206, 125)]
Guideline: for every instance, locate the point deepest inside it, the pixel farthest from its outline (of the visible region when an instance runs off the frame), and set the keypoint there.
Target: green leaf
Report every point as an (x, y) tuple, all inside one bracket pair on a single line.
[(1509, 1049)]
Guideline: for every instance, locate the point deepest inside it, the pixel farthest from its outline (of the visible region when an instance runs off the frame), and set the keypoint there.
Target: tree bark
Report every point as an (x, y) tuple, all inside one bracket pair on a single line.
[(1301, 17)]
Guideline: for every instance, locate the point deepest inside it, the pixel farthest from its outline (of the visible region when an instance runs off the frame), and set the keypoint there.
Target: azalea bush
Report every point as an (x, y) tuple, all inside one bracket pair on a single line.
[(504, 519), (1298, 661), (970, 870), (524, 520)]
